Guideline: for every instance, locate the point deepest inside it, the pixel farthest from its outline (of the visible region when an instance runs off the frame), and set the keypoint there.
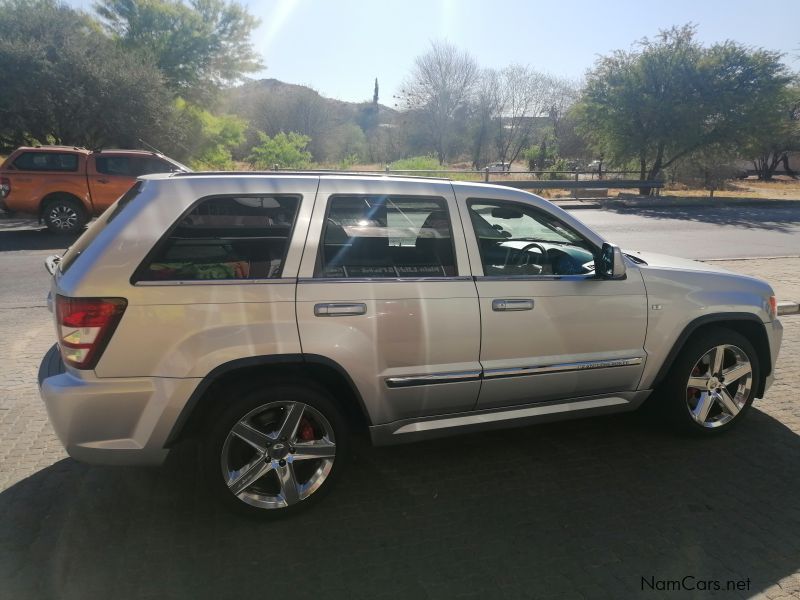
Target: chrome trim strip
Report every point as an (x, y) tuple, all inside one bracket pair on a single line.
[(185, 282), (562, 368), (506, 415), (581, 277), (454, 377), (379, 279)]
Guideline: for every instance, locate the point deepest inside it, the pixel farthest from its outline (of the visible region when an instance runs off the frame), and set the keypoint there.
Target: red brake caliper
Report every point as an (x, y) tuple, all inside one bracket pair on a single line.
[(306, 431)]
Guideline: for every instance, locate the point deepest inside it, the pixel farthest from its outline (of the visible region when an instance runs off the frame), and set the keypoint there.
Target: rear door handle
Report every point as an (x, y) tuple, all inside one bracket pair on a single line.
[(512, 304), (338, 309), (103, 180)]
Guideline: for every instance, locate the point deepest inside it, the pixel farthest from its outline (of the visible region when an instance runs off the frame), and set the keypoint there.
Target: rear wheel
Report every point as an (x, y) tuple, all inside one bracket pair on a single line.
[(712, 383), (64, 215), (276, 450)]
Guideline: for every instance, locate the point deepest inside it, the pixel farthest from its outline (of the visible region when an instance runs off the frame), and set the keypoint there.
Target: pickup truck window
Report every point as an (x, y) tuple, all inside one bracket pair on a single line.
[(386, 237), (226, 237), (46, 161), (131, 166)]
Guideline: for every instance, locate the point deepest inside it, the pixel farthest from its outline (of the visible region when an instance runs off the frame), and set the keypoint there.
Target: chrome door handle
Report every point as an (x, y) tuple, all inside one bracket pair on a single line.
[(336, 309), (512, 304)]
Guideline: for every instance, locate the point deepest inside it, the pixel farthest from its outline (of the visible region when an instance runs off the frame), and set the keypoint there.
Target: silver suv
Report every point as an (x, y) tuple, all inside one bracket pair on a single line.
[(271, 316)]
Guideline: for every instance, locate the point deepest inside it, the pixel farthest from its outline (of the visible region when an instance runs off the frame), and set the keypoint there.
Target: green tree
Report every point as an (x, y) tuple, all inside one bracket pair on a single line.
[(672, 97), (200, 46), (287, 150), (65, 82), (204, 139), (769, 143)]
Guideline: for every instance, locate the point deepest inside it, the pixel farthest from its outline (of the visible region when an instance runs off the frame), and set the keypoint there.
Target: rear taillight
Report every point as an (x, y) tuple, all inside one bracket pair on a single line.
[(84, 327), (773, 307), (5, 187)]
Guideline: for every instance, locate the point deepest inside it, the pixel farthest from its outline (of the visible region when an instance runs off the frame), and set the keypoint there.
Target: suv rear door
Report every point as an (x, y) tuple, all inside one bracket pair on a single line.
[(550, 328), (385, 292)]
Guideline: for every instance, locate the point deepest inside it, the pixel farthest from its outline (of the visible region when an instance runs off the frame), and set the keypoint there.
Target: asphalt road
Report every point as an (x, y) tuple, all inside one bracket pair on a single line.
[(701, 233)]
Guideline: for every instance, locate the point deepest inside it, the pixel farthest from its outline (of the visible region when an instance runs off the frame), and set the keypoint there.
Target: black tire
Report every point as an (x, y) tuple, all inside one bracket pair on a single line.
[(683, 404), (268, 488), (64, 215)]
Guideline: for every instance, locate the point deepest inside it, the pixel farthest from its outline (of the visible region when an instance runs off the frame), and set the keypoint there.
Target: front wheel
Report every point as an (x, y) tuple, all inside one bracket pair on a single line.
[(276, 450), (712, 383)]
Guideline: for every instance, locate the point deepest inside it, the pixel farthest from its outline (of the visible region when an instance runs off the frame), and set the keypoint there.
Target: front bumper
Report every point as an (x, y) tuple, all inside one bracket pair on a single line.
[(775, 336), (111, 420)]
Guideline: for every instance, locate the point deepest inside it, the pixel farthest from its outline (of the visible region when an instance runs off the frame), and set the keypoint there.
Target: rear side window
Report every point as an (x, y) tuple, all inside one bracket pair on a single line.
[(386, 237), (226, 238), (114, 165), (46, 161), (131, 166)]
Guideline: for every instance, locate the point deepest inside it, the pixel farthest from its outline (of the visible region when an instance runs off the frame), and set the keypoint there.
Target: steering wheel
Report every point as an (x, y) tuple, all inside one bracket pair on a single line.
[(522, 259)]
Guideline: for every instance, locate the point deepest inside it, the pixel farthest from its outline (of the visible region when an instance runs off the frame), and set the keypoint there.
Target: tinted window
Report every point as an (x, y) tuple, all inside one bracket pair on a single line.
[(145, 166), (226, 238), (132, 166), (46, 161), (383, 236), (518, 240), (115, 165)]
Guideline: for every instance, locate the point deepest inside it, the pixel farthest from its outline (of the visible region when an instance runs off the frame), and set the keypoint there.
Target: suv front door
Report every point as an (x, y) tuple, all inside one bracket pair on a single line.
[(550, 329), (385, 293)]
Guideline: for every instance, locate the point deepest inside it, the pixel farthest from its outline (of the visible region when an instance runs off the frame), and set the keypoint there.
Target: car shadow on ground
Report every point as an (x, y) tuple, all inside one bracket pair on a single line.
[(576, 509), (779, 218)]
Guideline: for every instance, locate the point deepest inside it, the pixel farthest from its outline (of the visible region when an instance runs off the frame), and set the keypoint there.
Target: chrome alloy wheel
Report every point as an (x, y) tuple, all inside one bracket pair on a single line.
[(719, 385), (278, 454), (63, 217)]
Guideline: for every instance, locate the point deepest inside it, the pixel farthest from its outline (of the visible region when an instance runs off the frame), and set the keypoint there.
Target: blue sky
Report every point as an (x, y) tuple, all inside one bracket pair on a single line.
[(339, 47)]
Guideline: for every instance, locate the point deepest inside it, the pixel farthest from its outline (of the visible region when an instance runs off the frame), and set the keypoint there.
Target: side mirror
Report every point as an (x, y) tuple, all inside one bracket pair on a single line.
[(611, 263)]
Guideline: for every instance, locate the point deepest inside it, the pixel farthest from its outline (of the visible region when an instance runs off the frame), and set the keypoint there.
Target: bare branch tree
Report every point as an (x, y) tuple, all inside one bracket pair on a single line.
[(440, 84), (524, 96), (486, 100)]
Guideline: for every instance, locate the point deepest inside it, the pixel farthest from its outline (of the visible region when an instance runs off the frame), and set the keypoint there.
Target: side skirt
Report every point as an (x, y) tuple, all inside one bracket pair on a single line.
[(412, 430)]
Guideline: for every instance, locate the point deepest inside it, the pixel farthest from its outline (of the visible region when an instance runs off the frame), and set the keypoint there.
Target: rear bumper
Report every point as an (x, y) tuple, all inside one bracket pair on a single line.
[(115, 420)]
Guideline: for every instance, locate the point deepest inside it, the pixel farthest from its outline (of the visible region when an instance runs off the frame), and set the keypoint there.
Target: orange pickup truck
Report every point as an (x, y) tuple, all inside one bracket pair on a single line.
[(65, 186)]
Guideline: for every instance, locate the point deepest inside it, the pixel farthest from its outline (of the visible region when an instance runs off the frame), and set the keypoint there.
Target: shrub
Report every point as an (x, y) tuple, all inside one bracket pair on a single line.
[(287, 150)]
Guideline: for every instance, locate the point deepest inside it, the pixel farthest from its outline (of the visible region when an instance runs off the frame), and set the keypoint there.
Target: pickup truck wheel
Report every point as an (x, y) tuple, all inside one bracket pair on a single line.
[(276, 450), (64, 215), (712, 383)]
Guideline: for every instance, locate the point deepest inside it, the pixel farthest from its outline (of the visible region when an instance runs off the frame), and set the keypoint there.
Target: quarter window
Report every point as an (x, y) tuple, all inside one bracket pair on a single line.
[(46, 161), (226, 238), (386, 237), (518, 240)]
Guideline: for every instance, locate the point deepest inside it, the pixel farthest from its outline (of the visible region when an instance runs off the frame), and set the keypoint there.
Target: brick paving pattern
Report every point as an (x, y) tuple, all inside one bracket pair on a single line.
[(581, 509)]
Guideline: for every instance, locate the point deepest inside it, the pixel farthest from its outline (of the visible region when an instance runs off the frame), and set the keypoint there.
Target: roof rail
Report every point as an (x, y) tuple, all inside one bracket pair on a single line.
[(375, 174)]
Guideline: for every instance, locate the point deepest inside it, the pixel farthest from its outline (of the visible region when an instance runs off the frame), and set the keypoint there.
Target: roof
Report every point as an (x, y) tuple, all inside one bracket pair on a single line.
[(80, 150)]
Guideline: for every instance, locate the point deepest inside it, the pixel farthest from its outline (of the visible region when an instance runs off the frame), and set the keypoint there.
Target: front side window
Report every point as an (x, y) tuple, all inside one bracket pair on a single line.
[(46, 161), (226, 238), (386, 237), (519, 240)]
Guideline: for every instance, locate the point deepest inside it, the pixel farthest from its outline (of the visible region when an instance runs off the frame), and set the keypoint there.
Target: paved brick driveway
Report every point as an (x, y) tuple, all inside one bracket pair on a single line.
[(582, 509)]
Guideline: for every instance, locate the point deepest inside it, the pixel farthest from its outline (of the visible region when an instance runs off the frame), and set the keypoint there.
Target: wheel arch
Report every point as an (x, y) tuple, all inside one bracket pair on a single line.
[(207, 399), (746, 324), (47, 198)]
